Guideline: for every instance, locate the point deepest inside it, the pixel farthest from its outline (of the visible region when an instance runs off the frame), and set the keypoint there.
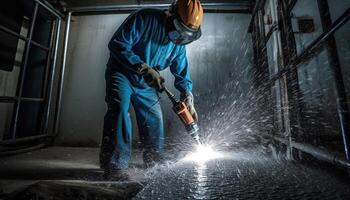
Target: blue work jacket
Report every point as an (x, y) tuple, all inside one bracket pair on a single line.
[(143, 38)]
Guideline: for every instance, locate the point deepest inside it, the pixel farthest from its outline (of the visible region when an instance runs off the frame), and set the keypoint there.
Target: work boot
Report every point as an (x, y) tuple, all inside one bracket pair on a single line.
[(116, 174)]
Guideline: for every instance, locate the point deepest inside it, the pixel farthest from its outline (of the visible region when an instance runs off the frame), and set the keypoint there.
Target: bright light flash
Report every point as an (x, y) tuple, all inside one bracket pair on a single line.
[(203, 154)]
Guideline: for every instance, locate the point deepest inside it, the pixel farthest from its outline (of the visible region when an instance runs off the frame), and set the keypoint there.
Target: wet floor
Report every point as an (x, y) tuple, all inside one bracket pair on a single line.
[(242, 176), (74, 172)]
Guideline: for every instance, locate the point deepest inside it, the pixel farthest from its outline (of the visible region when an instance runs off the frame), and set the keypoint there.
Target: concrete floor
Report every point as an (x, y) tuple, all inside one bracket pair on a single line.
[(59, 166), (73, 173)]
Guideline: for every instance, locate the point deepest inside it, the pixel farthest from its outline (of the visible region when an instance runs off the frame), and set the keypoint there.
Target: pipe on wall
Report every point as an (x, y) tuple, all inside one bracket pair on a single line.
[(314, 46), (52, 78), (22, 150), (25, 140), (316, 152), (61, 79)]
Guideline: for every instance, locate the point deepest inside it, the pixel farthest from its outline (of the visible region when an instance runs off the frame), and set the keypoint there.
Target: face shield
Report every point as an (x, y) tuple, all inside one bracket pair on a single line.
[(182, 34)]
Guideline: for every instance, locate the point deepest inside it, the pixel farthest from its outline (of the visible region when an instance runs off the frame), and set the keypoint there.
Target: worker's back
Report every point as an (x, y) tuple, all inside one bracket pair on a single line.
[(145, 33)]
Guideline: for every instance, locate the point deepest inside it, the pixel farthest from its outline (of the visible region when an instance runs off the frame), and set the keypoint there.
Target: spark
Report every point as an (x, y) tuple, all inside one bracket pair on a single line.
[(202, 154)]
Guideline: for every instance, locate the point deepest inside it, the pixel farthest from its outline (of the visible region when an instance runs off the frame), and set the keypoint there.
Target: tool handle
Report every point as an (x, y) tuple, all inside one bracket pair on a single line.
[(170, 95), (184, 114)]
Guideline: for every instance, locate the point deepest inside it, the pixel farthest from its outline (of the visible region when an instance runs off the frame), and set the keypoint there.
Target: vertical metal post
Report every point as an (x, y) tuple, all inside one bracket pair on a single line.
[(46, 75), (339, 87), (61, 80), (23, 72), (261, 75), (48, 60), (292, 92), (52, 78)]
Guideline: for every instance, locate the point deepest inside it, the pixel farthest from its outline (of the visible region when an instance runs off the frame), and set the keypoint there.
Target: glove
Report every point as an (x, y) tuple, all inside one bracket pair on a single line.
[(187, 98), (152, 77)]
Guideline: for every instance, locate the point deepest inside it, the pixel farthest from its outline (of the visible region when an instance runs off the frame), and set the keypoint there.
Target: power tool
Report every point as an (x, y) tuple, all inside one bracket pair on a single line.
[(185, 116)]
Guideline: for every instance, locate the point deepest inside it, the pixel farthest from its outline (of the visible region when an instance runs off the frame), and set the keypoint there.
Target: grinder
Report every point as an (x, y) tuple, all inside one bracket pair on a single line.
[(185, 116)]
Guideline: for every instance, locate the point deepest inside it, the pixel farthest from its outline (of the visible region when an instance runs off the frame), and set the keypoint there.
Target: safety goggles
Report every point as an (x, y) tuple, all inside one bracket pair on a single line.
[(183, 34)]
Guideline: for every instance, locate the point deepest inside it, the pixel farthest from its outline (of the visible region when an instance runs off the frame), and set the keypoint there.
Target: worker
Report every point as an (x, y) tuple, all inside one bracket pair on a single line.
[(148, 41)]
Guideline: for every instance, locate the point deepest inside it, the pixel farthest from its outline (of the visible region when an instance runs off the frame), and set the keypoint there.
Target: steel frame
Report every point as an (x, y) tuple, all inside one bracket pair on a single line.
[(6, 30), (23, 72), (18, 99), (316, 46), (339, 86), (291, 64), (261, 76), (258, 6), (292, 92)]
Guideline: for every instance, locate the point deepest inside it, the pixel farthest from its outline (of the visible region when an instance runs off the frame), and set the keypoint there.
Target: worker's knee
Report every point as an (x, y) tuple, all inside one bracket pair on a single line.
[(116, 105), (156, 112), (154, 119)]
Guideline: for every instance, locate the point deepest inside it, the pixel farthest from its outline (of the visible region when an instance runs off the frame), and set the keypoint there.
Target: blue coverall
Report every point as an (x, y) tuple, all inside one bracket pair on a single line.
[(142, 38)]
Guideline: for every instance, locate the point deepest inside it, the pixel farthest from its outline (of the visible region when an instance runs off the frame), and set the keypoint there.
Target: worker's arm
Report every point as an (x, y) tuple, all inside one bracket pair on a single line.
[(183, 82), (124, 39), (179, 68)]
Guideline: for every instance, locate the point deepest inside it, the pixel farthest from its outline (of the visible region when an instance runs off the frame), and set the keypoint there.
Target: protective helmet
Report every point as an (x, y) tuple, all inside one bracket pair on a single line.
[(188, 16)]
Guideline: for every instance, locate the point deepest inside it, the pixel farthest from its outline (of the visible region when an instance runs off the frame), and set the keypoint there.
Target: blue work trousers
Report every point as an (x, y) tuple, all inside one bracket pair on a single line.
[(117, 134)]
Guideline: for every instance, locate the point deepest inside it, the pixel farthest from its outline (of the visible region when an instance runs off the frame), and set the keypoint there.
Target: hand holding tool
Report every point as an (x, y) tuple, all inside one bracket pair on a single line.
[(182, 111)]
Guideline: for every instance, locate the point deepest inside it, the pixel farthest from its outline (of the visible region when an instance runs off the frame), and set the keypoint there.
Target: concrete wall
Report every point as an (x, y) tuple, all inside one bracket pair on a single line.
[(216, 60)]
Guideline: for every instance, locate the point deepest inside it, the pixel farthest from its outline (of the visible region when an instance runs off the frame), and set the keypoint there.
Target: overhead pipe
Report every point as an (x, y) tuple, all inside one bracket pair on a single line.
[(218, 7)]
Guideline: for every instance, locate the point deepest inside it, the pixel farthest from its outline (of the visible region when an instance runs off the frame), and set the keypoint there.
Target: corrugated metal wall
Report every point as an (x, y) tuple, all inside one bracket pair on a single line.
[(219, 64)]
